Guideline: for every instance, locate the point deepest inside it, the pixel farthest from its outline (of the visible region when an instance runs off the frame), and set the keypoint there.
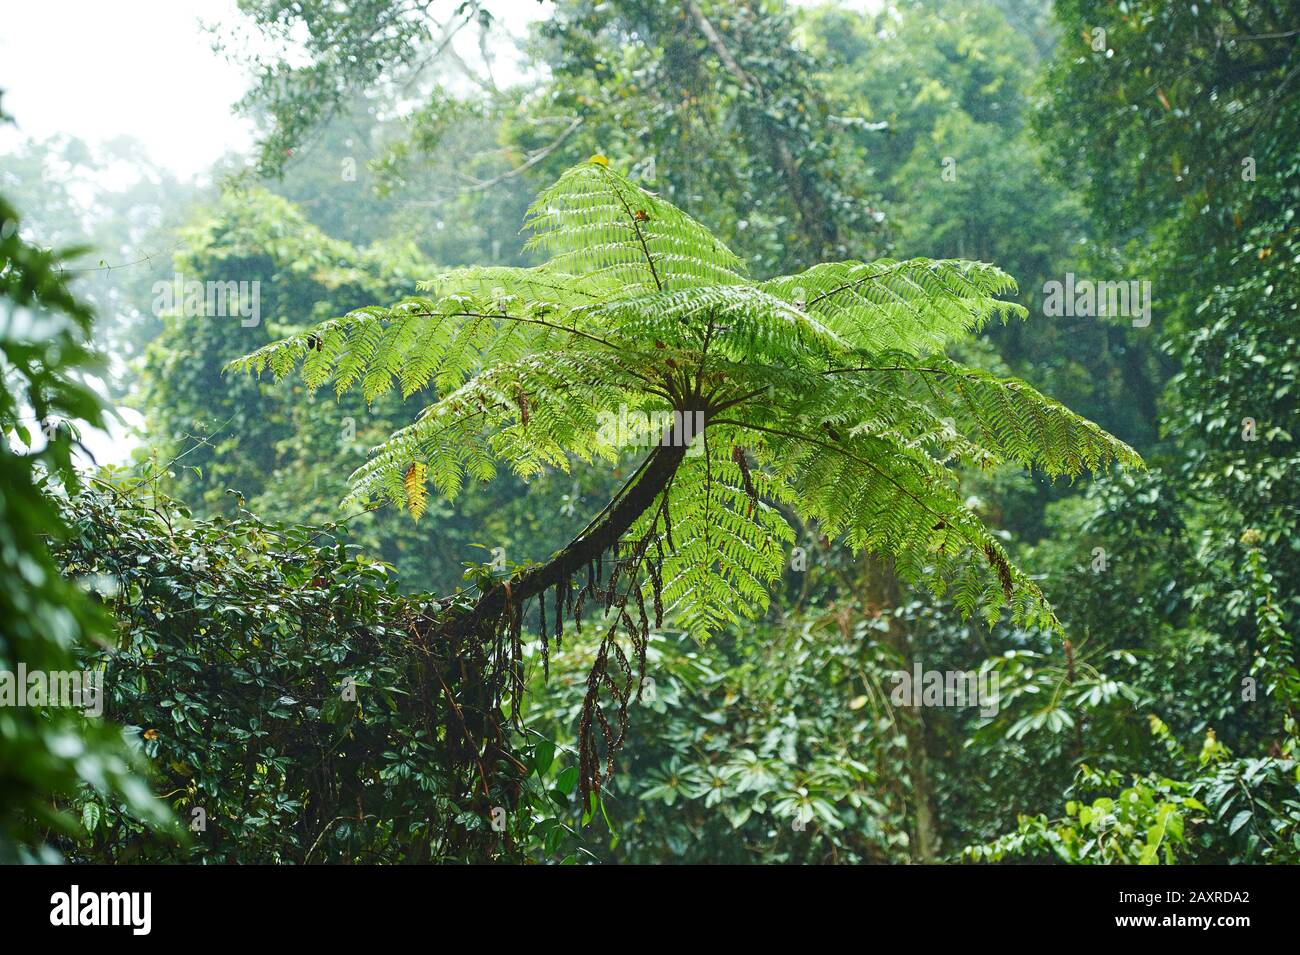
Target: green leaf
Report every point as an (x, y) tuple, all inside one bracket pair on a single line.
[(543, 756), (567, 781)]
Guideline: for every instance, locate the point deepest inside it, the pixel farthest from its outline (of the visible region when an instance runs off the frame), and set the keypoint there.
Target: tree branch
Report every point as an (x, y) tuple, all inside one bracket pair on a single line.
[(584, 549)]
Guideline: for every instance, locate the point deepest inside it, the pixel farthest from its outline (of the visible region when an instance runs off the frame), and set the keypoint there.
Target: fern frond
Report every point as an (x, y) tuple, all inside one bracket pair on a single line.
[(1004, 416), (738, 321), (480, 424), (879, 496), (917, 305), (595, 223), (488, 283), (416, 343), (727, 546)]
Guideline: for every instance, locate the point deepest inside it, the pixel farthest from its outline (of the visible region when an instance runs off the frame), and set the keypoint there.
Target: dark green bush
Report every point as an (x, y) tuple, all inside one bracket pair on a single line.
[(295, 706)]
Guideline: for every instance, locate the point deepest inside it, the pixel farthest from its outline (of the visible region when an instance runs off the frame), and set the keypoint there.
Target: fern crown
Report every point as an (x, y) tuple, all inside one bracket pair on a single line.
[(824, 395)]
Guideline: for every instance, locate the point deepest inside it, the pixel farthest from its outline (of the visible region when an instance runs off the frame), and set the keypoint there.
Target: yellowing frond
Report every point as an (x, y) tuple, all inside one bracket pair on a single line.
[(417, 494)]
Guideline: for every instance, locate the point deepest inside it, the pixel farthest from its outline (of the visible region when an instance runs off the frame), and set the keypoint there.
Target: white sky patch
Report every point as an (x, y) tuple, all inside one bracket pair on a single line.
[(147, 69), (144, 69)]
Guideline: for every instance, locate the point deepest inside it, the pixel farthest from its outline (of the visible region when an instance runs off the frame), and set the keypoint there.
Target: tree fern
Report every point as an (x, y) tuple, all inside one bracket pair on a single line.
[(825, 392)]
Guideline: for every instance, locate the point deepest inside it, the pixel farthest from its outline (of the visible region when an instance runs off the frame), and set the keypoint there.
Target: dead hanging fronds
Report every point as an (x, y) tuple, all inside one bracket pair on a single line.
[(618, 672), (617, 677), (742, 462), (1003, 568), (618, 576)]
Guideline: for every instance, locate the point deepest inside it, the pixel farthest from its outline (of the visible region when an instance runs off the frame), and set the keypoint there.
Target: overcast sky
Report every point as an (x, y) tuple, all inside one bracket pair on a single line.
[(140, 68), (146, 69)]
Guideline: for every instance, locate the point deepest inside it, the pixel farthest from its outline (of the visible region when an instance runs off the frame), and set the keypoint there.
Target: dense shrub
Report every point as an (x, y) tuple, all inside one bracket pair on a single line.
[(295, 706)]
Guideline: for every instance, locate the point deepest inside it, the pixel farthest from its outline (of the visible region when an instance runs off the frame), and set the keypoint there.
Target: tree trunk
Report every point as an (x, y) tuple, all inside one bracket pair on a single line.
[(586, 547), (880, 584)]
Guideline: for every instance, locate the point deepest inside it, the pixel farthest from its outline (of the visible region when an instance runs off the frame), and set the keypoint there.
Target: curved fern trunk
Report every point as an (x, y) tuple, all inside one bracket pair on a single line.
[(587, 547)]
